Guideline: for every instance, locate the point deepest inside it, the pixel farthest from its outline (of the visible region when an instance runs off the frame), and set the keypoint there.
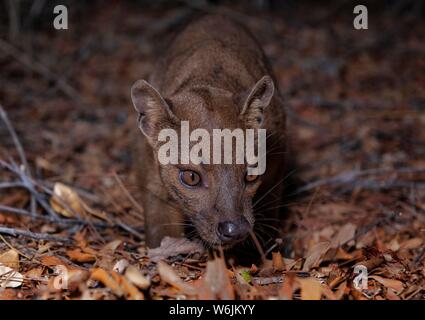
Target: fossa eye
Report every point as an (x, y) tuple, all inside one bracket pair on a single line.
[(190, 178)]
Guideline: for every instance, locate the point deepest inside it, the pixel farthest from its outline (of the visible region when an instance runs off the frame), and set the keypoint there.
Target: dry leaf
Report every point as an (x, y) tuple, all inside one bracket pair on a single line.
[(345, 234), (391, 295), (315, 254), (339, 294), (112, 246), (35, 273), (169, 276), (109, 281), (217, 281), (341, 254), (289, 263), (288, 287), (66, 201), (79, 256), (10, 278), (389, 283), (411, 243), (137, 278), (51, 261), (132, 292), (120, 266), (172, 247), (10, 259), (311, 289), (117, 283), (278, 264)]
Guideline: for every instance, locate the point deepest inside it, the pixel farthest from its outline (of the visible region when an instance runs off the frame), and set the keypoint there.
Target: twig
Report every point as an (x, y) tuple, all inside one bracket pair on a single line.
[(13, 248), (129, 229), (419, 257), (7, 185), (25, 213), (15, 138), (29, 185), (24, 59), (351, 177), (127, 193), (13, 13), (20, 150), (33, 235)]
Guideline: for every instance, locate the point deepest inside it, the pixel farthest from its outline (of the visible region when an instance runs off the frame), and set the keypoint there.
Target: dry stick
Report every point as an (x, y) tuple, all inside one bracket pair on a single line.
[(24, 59), (419, 257), (129, 229), (25, 213), (8, 185), (15, 138), (13, 248), (127, 193), (37, 236), (91, 224), (257, 244), (351, 177), (19, 148), (28, 184)]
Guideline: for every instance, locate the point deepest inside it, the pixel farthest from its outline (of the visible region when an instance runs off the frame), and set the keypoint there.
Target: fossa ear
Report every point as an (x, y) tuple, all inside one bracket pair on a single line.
[(154, 111), (257, 101)]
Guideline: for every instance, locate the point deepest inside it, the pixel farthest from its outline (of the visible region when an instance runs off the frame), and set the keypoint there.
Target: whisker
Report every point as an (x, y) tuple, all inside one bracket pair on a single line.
[(274, 187), (269, 226)]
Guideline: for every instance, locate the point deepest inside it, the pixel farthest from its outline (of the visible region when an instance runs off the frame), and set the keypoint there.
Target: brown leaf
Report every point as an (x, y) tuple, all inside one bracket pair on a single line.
[(411, 243), (117, 283), (389, 283), (109, 281), (311, 289), (288, 287), (136, 277), (391, 295), (315, 254), (79, 256), (132, 292), (341, 254), (66, 201), (10, 278), (169, 276), (345, 234), (120, 266), (172, 247), (217, 281), (51, 261), (10, 259), (112, 246), (278, 264)]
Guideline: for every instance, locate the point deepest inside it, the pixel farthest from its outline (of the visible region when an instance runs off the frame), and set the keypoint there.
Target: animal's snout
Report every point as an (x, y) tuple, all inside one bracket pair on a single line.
[(232, 231)]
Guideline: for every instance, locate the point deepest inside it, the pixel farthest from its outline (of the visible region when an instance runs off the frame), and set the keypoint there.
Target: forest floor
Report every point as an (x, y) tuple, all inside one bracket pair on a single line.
[(356, 135)]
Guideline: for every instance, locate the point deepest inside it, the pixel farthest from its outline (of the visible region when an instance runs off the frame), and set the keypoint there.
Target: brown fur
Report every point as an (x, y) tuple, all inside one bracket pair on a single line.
[(209, 75)]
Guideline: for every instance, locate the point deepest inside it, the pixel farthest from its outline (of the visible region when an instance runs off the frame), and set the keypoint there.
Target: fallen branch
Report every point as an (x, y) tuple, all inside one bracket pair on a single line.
[(41, 69), (351, 178), (20, 149), (15, 139), (28, 184), (33, 235), (128, 194), (25, 213)]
